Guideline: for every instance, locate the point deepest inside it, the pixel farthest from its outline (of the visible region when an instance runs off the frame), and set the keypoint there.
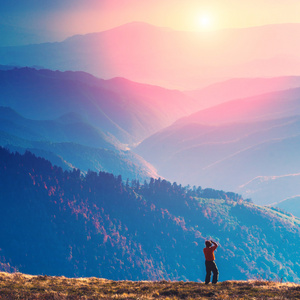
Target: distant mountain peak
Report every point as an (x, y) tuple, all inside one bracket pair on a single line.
[(135, 26)]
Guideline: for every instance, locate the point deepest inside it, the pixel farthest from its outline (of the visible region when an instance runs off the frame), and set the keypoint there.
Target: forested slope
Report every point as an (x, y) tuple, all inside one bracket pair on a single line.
[(57, 222)]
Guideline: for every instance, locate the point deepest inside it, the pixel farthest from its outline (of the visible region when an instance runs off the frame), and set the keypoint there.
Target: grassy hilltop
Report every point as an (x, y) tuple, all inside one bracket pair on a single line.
[(20, 286)]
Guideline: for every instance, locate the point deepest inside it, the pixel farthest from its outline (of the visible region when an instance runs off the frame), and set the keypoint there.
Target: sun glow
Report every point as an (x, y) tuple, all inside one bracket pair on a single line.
[(204, 22)]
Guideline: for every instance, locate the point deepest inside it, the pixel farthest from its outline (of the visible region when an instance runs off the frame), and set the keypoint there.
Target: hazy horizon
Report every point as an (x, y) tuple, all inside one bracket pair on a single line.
[(26, 22)]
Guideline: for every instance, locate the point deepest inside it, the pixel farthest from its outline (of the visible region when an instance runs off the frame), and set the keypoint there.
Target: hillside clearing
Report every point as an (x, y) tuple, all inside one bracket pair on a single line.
[(20, 286)]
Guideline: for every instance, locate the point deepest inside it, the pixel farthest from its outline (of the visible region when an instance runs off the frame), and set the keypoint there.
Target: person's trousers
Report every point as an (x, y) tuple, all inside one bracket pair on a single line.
[(211, 267)]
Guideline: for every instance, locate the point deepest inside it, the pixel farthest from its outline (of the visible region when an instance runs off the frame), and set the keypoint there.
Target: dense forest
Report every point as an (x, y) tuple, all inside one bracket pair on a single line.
[(59, 222)]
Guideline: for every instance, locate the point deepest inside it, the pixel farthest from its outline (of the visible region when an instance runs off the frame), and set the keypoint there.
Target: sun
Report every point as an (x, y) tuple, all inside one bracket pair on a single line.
[(204, 22)]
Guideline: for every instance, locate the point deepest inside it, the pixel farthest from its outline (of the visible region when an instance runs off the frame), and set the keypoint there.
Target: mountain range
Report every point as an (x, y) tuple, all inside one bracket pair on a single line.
[(70, 143), (169, 58), (239, 145), (76, 120), (231, 144), (126, 110), (86, 176), (239, 88)]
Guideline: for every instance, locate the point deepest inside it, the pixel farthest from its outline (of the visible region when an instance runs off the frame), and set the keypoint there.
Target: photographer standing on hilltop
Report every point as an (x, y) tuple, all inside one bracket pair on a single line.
[(210, 261)]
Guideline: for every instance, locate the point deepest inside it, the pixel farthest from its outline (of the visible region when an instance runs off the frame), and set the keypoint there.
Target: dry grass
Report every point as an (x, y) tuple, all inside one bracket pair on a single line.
[(20, 286)]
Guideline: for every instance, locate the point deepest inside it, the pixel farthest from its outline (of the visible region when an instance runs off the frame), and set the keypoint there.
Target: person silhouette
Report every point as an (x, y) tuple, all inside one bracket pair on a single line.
[(210, 262)]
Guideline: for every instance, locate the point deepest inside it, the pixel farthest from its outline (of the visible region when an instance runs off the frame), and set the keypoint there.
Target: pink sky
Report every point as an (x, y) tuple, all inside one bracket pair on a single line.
[(56, 19), (191, 15)]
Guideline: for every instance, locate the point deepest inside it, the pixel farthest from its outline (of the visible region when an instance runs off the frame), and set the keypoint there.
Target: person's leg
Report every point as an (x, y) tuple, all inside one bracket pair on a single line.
[(216, 272), (208, 272)]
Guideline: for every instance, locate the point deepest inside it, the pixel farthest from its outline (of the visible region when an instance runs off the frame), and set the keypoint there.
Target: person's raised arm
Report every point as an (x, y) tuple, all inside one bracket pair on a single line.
[(214, 243)]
